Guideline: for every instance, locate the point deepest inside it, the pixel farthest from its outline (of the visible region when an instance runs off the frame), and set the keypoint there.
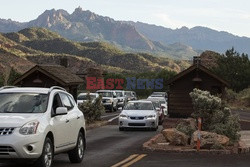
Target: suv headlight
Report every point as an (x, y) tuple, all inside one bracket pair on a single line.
[(123, 116), (29, 128), (150, 116)]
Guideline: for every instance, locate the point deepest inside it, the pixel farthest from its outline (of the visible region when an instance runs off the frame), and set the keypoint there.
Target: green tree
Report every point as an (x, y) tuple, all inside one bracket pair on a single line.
[(92, 110), (1, 80), (13, 76), (234, 68)]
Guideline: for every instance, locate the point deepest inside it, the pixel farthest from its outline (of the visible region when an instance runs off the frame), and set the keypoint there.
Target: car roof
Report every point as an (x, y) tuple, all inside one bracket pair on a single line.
[(87, 93), (152, 100), (159, 92), (159, 98), (104, 91), (26, 89), (119, 90), (140, 101)]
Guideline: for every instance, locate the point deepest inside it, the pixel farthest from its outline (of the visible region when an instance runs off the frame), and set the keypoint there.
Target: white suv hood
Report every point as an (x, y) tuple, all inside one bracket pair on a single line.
[(16, 120)]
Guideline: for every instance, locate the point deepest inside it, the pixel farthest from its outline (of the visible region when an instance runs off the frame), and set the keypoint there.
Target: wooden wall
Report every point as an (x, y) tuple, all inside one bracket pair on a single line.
[(179, 101)]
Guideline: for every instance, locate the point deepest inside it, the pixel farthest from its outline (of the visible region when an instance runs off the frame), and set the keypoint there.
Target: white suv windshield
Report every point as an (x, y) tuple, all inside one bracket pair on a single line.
[(119, 94), (105, 94), (23, 103)]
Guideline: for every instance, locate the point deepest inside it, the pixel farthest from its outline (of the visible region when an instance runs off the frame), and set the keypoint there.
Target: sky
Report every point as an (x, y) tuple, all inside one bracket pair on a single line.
[(224, 15)]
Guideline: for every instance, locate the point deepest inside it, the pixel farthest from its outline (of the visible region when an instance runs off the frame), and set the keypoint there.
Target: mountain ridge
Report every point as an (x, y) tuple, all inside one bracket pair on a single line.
[(86, 26), (198, 37)]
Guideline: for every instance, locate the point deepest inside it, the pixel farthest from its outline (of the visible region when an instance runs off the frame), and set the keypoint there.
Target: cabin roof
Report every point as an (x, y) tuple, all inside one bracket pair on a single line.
[(199, 67), (56, 72)]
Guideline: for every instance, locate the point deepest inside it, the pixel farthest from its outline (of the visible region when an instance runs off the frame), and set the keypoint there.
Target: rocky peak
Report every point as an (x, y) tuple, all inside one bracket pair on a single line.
[(83, 15), (78, 10), (50, 17)]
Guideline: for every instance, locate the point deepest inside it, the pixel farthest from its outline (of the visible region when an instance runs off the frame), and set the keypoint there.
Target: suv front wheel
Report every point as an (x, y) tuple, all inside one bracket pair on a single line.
[(46, 158), (76, 155)]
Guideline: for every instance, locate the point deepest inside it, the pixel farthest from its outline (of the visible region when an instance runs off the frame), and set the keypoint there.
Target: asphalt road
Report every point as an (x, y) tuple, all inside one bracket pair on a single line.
[(105, 147), (109, 147)]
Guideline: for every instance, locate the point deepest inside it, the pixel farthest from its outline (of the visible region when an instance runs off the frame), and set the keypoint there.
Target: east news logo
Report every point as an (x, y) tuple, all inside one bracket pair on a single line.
[(132, 83)]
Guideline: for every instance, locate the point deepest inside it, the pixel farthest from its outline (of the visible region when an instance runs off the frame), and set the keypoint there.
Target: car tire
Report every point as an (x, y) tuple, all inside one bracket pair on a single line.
[(46, 159), (155, 129), (121, 129), (115, 108), (112, 108), (76, 155)]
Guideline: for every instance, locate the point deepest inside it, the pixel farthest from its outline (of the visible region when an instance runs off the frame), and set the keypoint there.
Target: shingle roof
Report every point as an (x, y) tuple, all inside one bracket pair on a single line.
[(200, 67), (58, 73)]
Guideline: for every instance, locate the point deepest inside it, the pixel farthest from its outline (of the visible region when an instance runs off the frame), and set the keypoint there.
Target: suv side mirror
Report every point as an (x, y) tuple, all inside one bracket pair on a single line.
[(61, 111)]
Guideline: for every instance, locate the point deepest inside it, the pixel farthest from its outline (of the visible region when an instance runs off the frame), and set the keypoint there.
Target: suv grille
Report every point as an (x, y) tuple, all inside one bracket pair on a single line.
[(137, 118), (6, 131), (5, 150)]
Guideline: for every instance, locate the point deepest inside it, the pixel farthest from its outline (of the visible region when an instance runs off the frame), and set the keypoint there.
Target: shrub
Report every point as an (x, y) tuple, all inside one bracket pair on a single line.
[(14, 75), (1, 80), (215, 116), (92, 110), (217, 146), (187, 129), (231, 95)]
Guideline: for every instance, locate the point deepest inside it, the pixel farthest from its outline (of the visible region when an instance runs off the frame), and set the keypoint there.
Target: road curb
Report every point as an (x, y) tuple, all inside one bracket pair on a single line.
[(150, 146)]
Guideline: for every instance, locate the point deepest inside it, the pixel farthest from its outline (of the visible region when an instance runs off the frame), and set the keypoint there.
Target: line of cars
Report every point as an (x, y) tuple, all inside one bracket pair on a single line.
[(111, 99), (34, 121), (146, 113)]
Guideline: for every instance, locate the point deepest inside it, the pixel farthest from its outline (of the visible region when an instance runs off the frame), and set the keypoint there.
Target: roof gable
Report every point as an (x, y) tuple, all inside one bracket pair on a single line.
[(200, 67), (58, 73)]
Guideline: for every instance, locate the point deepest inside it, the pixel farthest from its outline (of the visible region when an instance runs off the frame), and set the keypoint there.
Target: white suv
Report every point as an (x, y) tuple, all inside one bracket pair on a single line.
[(37, 123)]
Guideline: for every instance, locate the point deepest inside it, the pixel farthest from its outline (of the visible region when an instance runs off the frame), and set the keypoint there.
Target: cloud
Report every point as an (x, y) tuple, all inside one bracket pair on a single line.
[(167, 21)]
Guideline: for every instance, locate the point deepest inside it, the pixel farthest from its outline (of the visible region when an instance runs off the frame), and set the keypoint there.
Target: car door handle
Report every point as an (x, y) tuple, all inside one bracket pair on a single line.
[(78, 117), (67, 121)]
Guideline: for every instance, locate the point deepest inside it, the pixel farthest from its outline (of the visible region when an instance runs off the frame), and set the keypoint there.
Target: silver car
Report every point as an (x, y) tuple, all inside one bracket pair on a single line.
[(139, 114)]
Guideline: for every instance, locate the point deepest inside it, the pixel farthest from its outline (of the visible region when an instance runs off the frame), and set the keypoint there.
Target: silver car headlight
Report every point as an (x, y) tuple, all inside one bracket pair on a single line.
[(29, 128), (150, 116), (123, 116)]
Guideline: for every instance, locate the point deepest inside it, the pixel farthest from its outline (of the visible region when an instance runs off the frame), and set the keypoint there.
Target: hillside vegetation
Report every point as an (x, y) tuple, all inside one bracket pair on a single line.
[(41, 46)]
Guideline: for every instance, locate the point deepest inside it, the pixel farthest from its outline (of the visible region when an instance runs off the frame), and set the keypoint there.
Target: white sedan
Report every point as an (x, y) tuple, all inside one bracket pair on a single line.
[(139, 114)]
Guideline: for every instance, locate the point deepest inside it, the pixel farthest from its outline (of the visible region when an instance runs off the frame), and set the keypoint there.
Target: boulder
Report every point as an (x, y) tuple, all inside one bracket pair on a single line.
[(175, 137), (209, 139)]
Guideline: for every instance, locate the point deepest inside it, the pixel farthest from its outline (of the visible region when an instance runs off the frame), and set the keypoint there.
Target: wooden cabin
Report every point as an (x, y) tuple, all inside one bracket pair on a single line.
[(50, 75), (196, 76)]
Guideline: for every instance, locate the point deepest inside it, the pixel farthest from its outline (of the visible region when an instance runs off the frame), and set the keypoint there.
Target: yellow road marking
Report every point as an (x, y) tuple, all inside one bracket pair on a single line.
[(125, 160), (134, 160)]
